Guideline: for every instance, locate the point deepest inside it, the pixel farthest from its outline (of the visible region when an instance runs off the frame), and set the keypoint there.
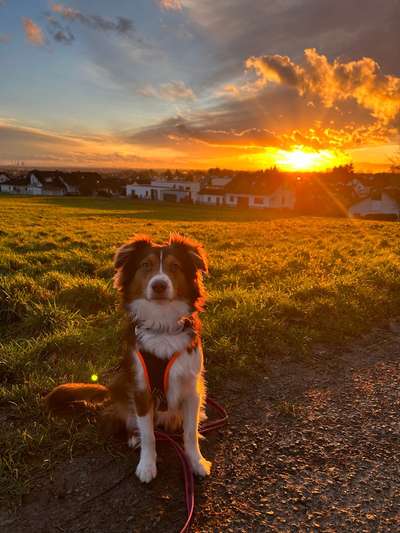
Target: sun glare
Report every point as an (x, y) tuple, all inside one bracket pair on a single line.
[(307, 160)]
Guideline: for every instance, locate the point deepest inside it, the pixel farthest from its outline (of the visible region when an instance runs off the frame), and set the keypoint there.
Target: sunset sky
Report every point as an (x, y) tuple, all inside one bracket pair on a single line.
[(200, 83)]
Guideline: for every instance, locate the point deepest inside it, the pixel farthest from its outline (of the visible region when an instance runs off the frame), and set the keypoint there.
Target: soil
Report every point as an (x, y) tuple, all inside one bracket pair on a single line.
[(310, 446)]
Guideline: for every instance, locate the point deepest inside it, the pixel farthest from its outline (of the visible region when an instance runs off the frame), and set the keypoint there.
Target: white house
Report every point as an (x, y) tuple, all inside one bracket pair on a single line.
[(281, 197), (211, 196), (178, 191), (6, 186), (143, 192), (377, 203), (163, 190)]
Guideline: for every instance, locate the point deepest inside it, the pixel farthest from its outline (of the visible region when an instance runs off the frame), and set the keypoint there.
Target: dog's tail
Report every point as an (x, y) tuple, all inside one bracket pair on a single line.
[(76, 396), (113, 408)]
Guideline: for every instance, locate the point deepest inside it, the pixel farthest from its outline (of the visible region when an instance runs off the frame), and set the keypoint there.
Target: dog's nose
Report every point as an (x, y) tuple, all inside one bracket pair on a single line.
[(159, 286)]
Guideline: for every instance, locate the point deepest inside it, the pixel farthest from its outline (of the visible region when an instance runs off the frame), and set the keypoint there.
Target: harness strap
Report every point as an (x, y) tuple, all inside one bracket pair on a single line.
[(165, 377), (174, 357)]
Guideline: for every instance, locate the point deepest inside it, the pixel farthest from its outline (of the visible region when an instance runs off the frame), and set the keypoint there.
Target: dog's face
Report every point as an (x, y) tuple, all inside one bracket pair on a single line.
[(161, 273)]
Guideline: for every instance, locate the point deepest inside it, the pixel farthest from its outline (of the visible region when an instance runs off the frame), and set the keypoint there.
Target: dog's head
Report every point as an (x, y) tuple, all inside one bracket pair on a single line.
[(161, 273)]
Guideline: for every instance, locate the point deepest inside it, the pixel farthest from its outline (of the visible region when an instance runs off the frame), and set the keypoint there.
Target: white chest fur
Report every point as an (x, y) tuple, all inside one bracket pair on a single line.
[(163, 345), (160, 326)]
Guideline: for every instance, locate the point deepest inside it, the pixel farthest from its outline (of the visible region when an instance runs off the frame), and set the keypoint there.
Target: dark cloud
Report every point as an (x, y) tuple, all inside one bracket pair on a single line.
[(121, 25), (237, 29), (60, 33)]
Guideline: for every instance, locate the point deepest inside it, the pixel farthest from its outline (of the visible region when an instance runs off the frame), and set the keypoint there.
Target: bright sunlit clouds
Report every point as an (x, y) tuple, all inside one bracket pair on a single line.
[(182, 84)]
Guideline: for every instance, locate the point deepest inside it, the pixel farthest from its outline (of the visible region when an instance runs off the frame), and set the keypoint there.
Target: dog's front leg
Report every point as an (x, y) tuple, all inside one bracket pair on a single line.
[(191, 416), (146, 469)]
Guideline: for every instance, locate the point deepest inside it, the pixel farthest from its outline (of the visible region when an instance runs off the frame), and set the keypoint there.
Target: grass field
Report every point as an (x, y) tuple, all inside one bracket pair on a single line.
[(276, 287)]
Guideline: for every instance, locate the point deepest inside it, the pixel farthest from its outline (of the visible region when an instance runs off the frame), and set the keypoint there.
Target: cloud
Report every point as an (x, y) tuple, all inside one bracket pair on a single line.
[(171, 5), (33, 32), (25, 143), (275, 116), (4, 39), (184, 131), (171, 91), (60, 33), (288, 27), (360, 80), (121, 25)]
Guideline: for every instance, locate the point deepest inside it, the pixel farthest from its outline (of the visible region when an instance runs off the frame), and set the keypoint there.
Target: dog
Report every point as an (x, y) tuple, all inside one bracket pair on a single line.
[(161, 377)]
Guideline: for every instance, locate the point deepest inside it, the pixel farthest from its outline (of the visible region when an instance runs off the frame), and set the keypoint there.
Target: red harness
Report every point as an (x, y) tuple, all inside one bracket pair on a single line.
[(156, 372)]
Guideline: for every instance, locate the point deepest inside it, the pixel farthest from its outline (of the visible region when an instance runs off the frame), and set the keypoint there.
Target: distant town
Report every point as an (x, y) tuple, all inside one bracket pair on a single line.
[(338, 192)]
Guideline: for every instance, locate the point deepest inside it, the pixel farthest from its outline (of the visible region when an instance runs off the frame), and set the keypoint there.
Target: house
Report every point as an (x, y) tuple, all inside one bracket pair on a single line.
[(164, 190), (219, 182), (4, 177), (17, 185), (64, 183), (142, 192), (379, 203), (267, 192), (45, 183), (211, 196), (177, 190)]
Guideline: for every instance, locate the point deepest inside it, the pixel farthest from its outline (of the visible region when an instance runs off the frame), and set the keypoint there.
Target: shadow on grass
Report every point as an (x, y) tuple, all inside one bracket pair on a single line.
[(127, 208)]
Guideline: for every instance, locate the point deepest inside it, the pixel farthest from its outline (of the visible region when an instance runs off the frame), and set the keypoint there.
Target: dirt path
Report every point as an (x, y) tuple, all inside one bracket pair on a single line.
[(311, 447)]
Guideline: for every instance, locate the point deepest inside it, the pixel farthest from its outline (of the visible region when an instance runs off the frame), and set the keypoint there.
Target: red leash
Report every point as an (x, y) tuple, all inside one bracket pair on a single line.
[(205, 427)]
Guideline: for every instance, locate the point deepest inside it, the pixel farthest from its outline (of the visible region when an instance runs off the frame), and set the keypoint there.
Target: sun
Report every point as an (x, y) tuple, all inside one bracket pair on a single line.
[(299, 160), (303, 159)]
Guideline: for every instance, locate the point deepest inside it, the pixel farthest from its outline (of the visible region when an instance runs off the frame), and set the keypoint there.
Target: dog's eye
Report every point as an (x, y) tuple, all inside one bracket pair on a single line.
[(174, 267), (146, 265)]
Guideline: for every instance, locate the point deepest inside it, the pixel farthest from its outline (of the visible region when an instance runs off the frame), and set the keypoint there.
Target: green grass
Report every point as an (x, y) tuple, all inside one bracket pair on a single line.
[(277, 285)]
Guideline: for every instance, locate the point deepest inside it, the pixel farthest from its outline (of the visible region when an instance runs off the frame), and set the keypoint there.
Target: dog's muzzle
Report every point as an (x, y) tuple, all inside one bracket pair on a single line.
[(160, 288)]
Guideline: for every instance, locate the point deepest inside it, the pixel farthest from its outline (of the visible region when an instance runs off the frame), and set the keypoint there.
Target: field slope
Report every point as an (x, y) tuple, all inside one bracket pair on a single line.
[(277, 287)]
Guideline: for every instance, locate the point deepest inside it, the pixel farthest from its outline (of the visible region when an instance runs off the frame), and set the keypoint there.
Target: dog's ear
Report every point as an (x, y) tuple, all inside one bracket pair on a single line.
[(199, 258), (194, 250), (126, 257)]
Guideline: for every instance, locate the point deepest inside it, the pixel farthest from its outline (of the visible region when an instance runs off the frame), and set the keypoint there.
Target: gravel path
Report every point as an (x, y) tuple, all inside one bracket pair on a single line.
[(309, 447)]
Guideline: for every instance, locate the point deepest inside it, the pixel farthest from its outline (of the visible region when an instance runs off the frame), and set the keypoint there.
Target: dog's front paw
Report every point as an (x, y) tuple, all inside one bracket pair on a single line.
[(201, 467), (146, 471)]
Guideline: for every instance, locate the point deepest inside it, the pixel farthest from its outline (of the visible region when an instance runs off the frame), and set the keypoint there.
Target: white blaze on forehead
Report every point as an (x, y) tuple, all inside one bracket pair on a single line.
[(161, 276)]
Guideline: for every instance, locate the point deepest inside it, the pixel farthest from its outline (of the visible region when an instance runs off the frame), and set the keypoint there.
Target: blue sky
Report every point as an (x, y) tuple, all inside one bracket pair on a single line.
[(187, 83)]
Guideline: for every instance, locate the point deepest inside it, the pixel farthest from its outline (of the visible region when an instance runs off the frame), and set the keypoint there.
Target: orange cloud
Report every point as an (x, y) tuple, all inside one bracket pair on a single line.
[(171, 5), (360, 80), (33, 32)]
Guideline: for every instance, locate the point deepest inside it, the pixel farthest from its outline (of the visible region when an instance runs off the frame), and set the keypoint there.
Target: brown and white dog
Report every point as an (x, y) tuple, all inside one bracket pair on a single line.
[(162, 293)]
